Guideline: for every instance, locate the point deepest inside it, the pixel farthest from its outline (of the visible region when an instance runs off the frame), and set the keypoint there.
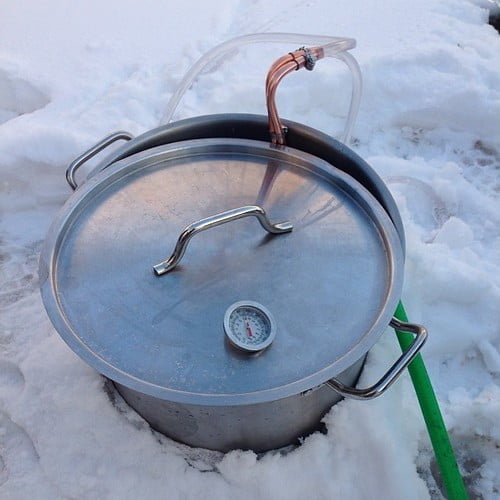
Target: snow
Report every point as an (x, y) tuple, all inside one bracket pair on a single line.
[(71, 73)]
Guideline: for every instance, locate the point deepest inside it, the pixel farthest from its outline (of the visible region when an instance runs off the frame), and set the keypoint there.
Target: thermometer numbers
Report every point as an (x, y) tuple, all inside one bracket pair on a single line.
[(249, 326)]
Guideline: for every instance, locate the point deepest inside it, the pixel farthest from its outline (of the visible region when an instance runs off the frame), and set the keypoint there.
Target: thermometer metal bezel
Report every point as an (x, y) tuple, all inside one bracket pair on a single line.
[(263, 311)]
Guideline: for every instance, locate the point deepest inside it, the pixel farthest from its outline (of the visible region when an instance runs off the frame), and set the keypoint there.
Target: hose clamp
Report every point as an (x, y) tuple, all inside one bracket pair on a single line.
[(310, 58)]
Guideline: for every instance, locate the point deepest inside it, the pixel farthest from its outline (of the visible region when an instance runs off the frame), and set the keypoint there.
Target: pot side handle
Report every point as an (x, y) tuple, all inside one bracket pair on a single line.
[(394, 371), (97, 148)]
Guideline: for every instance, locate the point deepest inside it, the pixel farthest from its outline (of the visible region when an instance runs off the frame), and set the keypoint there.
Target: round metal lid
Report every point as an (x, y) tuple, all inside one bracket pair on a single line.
[(331, 284)]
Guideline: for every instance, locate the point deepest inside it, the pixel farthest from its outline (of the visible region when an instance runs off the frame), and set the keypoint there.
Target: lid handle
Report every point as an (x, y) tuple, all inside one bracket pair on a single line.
[(213, 221)]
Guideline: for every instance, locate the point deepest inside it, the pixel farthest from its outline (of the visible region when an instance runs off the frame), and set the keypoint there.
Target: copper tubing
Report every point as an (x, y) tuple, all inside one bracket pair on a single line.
[(293, 61)]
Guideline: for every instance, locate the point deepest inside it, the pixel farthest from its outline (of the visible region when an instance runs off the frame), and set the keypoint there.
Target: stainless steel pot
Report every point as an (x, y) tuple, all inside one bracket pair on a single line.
[(331, 276)]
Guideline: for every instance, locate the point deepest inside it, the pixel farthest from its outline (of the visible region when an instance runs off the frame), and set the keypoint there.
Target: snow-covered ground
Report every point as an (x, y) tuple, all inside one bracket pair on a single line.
[(71, 72)]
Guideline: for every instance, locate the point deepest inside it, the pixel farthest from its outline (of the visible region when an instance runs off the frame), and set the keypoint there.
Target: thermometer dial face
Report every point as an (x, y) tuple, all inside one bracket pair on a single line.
[(249, 326)]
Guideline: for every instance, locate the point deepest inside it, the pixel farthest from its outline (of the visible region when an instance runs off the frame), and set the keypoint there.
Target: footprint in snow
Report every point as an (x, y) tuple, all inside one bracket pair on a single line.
[(17, 453), (18, 96), (11, 378)]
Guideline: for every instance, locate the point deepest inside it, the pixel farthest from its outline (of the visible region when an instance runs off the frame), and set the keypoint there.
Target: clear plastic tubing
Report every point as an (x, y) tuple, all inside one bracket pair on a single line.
[(332, 46)]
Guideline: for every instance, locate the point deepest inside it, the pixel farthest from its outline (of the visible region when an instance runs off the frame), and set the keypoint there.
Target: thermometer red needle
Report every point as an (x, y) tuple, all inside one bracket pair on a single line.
[(249, 330)]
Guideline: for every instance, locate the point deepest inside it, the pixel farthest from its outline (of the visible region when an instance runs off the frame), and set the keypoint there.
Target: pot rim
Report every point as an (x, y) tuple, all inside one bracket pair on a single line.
[(48, 266)]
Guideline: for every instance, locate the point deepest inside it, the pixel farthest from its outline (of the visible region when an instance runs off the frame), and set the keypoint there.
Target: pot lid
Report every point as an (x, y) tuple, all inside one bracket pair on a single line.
[(331, 284)]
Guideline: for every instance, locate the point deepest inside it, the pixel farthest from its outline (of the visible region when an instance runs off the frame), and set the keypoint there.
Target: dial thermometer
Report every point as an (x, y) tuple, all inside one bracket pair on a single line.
[(249, 326)]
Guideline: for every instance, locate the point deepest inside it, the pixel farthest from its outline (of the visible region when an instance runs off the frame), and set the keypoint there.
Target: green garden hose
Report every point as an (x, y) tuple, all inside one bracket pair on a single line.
[(452, 480)]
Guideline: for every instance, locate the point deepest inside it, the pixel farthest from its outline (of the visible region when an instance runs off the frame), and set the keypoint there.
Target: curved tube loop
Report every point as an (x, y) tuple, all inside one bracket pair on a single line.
[(394, 371), (332, 46), (104, 143), (293, 61), (306, 57), (213, 221)]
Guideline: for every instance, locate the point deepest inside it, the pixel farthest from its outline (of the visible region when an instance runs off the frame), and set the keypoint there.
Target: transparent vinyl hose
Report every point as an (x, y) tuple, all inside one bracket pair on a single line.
[(333, 47)]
